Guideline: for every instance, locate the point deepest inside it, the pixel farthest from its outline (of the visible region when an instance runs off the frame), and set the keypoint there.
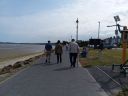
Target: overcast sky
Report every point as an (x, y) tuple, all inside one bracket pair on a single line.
[(42, 20)]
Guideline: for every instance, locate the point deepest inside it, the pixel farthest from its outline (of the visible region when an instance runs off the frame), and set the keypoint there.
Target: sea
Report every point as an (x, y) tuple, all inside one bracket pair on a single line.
[(13, 50)]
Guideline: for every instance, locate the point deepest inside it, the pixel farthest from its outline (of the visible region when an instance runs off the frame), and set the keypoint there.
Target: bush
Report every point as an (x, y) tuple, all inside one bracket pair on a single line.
[(26, 62), (6, 69), (17, 65)]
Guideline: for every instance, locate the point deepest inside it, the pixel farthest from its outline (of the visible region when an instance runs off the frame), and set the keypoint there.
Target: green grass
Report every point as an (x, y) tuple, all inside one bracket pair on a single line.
[(106, 57), (124, 92)]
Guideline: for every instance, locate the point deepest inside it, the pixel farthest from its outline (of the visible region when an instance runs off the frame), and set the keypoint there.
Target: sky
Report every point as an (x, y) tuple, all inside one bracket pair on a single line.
[(36, 21)]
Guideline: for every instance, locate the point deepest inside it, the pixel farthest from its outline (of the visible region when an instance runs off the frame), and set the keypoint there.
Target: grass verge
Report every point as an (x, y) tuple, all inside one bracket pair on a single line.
[(104, 58)]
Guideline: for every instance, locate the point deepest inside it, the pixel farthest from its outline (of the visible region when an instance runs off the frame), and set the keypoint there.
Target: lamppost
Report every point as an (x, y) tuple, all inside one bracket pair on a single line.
[(77, 29), (124, 35), (99, 30), (71, 37), (116, 18)]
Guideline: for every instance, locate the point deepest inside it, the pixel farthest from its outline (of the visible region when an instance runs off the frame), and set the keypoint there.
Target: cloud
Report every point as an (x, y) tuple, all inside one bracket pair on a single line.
[(60, 23)]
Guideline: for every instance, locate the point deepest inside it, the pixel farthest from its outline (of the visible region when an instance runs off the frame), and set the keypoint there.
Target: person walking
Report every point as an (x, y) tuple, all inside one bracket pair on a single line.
[(73, 52), (58, 51), (48, 50)]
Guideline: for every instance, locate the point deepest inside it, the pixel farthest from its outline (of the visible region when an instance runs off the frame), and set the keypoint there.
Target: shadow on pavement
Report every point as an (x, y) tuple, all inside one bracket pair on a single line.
[(44, 64), (62, 69)]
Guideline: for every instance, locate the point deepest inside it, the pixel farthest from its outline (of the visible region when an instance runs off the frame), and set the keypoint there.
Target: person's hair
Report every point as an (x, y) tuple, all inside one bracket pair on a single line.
[(58, 41), (73, 40), (48, 41)]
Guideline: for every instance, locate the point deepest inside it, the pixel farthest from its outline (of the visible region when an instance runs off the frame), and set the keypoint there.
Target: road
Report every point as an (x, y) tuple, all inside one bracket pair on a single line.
[(52, 80)]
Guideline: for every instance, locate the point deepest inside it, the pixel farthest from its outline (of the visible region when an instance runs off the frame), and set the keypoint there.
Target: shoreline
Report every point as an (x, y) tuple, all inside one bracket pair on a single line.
[(12, 61), (9, 74)]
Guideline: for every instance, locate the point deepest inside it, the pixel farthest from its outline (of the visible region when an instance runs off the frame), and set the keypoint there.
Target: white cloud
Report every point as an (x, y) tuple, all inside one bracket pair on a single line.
[(60, 23)]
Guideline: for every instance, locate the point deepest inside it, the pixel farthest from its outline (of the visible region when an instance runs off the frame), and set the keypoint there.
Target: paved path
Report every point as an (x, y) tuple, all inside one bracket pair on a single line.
[(52, 80)]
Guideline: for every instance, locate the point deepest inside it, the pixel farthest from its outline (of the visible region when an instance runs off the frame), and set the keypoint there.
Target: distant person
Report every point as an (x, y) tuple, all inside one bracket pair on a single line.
[(84, 52), (58, 51), (73, 52), (48, 50)]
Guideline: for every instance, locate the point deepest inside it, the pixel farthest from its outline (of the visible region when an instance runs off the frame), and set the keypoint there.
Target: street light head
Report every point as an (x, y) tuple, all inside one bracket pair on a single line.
[(117, 18), (77, 21)]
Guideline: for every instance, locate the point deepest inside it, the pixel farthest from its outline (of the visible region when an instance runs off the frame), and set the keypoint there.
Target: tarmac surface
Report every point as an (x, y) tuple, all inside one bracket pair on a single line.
[(52, 80), (112, 81)]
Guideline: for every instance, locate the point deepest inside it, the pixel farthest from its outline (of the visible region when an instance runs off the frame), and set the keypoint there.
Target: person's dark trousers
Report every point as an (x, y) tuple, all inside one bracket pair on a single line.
[(73, 57), (59, 58)]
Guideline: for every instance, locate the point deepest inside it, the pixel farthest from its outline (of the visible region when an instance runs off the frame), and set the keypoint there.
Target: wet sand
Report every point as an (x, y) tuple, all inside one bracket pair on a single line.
[(11, 53)]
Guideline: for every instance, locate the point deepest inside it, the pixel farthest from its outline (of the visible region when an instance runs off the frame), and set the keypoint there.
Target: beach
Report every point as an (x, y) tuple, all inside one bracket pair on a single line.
[(11, 53), (14, 60)]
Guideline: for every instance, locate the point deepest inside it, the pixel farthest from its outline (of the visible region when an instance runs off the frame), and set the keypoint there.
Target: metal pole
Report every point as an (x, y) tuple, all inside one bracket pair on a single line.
[(99, 30), (116, 34), (77, 38), (116, 25), (77, 29), (71, 37)]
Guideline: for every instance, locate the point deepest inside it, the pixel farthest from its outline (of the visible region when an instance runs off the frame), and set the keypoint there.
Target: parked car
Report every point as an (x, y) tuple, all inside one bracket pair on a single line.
[(108, 46)]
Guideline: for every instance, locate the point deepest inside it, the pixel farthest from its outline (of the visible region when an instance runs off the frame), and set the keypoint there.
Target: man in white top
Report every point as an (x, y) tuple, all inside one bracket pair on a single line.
[(73, 52)]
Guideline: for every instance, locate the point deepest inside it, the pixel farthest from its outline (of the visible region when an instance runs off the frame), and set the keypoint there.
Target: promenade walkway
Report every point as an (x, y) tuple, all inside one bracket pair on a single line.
[(52, 80)]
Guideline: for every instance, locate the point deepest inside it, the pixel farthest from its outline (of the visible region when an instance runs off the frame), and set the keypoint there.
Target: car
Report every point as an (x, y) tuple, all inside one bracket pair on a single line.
[(108, 46)]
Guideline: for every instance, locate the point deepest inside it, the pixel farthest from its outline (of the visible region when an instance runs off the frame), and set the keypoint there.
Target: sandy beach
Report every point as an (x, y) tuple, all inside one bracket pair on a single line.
[(14, 60), (11, 53)]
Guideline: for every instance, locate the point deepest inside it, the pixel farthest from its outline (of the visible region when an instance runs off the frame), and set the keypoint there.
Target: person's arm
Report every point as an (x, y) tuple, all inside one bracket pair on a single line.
[(51, 47), (62, 49), (78, 49)]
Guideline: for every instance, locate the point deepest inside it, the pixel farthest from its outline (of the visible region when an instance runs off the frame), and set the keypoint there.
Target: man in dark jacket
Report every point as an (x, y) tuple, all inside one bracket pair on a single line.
[(48, 49)]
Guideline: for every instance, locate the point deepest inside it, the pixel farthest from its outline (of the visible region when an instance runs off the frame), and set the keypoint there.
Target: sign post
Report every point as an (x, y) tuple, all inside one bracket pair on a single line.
[(124, 33)]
